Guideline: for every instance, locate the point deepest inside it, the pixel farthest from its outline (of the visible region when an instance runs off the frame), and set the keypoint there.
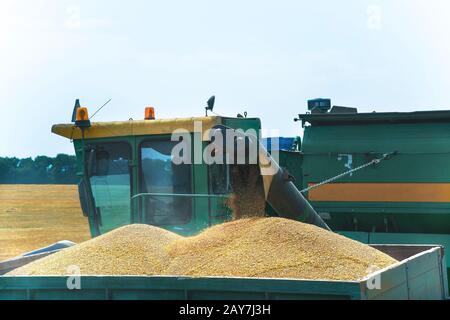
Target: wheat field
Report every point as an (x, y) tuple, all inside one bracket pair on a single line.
[(34, 216)]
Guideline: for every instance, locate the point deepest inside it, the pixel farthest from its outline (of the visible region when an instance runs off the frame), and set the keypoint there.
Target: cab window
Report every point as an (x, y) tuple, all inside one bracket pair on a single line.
[(110, 180), (164, 182)]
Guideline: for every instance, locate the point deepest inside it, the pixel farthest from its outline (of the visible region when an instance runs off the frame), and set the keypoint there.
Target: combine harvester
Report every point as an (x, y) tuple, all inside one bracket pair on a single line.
[(128, 176), (377, 178)]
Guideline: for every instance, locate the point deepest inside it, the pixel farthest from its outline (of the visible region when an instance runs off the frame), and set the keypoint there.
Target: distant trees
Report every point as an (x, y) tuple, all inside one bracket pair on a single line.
[(41, 170)]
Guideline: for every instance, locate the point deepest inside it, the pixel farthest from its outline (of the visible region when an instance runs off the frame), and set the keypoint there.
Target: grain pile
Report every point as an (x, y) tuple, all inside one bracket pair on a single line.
[(130, 250), (273, 248), (257, 247)]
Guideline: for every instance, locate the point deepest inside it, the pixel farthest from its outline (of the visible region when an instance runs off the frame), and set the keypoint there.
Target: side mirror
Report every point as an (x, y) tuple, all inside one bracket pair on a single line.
[(210, 104)]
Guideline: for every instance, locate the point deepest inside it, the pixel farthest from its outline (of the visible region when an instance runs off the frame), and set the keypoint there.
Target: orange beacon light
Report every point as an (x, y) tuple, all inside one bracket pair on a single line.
[(149, 113), (82, 118)]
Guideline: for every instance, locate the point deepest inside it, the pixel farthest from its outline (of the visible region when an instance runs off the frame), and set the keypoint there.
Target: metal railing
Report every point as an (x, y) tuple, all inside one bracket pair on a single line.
[(138, 202)]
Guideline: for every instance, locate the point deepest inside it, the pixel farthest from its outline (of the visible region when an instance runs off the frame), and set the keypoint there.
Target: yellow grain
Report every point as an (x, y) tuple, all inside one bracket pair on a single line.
[(130, 250), (274, 248), (257, 247), (248, 199)]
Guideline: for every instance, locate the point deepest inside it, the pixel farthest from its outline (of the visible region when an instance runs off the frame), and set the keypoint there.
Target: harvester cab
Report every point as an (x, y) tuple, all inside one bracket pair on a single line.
[(178, 174)]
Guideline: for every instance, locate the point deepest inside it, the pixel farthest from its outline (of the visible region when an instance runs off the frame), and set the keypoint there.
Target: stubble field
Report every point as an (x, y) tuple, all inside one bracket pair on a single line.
[(34, 216)]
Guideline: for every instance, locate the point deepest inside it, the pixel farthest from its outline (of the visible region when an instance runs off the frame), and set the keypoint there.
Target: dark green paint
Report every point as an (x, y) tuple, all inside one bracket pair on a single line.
[(422, 143)]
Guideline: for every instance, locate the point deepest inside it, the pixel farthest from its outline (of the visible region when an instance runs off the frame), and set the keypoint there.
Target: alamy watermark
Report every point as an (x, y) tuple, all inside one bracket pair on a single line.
[(226, 146), (73, 20), (74, 280), (374, 17), (374, 280)]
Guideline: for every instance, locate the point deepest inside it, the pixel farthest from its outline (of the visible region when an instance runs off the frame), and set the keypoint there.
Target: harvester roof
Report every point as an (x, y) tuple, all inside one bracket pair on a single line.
[(136, 127), (331, 118)]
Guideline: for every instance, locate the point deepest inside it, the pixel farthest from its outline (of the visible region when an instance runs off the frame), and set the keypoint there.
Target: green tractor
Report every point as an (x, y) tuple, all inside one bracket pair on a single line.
[(127, 173)]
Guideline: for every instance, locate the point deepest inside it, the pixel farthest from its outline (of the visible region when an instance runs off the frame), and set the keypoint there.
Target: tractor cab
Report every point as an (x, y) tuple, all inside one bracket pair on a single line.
[(127, 173)]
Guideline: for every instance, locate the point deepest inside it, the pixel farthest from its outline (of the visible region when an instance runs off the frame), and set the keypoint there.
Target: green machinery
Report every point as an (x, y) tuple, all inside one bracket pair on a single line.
[(376, 177), (128, 174)]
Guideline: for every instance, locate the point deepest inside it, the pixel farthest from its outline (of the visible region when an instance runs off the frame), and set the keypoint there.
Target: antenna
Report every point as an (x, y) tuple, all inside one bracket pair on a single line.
[(98, 110)]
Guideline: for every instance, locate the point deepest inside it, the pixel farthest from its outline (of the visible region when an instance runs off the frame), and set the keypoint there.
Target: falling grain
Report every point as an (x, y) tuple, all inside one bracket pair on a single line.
[(247, 199)]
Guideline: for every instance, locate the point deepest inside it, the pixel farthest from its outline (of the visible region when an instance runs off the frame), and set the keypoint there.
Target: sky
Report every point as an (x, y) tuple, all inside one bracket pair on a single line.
[(264, 57)]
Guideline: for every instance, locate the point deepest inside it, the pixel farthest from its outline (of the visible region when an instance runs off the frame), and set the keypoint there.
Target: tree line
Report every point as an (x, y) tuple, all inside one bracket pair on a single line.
[(40, 170)]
